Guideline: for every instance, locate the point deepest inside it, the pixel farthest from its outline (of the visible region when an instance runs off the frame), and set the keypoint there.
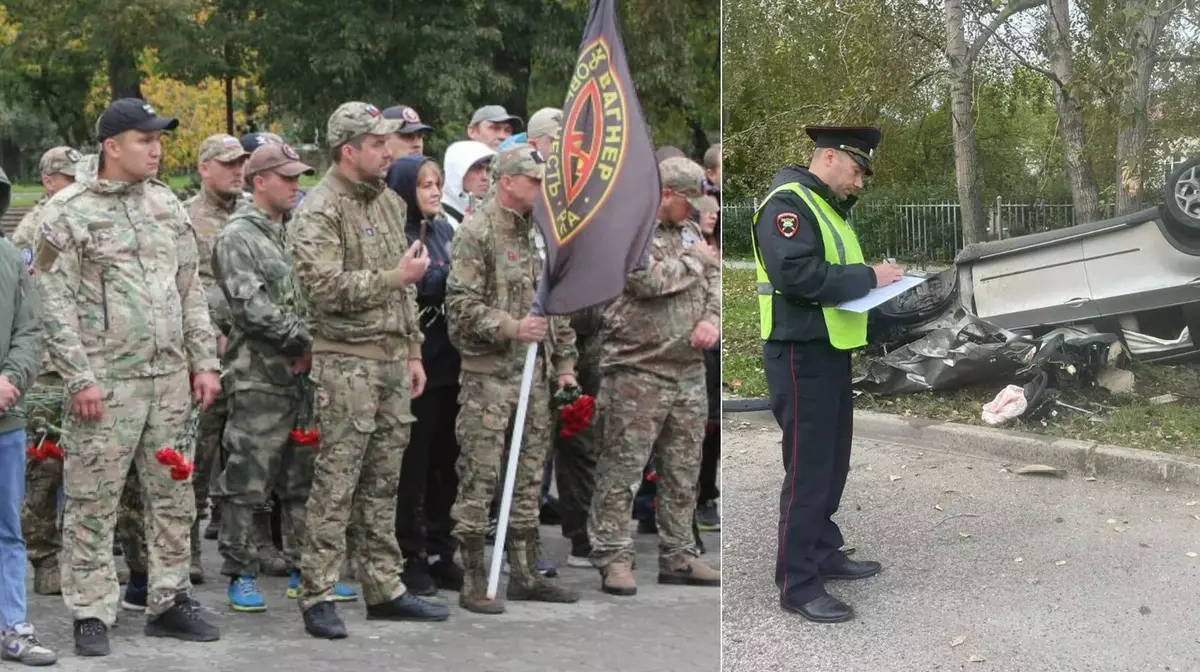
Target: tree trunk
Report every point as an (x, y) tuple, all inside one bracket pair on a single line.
[(1141, 42), (1084, 193), (124, 78), (966, 150)]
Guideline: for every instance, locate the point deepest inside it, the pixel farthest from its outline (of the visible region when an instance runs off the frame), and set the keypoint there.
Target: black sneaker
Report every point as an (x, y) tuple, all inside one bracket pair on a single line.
[(321, 620), (136, 592), (447, 575), (407, 607), (708, 517), (416, 576), (91, 637), (182, 621), (647, 526)]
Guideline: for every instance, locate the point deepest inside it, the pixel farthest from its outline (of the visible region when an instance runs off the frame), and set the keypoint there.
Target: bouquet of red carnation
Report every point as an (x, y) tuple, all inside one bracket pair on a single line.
[(181, 467), (306, 434), (43, 450), (575, 411)]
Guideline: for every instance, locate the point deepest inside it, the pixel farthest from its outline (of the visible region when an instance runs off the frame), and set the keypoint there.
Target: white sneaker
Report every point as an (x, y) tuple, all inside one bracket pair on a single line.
[(579, 562), (22, 645)]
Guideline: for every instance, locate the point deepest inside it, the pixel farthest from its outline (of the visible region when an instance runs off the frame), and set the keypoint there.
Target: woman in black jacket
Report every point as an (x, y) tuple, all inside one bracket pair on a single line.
[(428, 481)]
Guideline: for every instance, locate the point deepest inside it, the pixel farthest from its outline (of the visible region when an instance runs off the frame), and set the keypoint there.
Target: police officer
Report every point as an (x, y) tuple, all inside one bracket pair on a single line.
[(808, 260)]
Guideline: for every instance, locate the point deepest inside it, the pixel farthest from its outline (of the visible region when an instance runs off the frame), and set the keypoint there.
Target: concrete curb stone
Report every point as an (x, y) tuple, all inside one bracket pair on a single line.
[(1087, 458)]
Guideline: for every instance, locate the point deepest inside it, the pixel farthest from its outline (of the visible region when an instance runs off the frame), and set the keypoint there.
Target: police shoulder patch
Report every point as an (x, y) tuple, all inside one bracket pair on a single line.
[(787, 223)]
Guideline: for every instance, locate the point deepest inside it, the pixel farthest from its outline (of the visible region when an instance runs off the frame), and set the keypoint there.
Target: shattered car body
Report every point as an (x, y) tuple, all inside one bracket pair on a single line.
[(1133, 279)]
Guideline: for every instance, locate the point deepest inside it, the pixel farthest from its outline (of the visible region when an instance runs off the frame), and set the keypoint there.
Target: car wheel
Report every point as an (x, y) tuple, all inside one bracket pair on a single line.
[(1182, 197)]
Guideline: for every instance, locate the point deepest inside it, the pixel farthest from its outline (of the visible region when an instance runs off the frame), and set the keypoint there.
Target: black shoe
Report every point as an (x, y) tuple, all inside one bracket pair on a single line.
[(447, 575), (212, 530), (549, 514), (851, 570), (91, 637), (407, 607), (416, 577), (118, 549), (136, 592), (321, 620), (708, 517), (824, 609), (183, 621), (647, 526)]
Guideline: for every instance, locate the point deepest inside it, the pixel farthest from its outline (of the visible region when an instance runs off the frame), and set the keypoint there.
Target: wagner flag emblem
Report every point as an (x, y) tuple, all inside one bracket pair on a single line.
[(600, 194)]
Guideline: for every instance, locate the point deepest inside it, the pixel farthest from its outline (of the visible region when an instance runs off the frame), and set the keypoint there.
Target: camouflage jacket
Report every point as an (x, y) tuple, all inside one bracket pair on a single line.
[(24, 238), (120, 283), (649, 327), (495, 263), (209, 213), (344, 237), (252, 266)]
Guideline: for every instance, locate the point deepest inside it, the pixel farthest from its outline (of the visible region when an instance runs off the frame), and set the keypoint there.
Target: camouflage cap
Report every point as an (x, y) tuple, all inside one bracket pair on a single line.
[(221, 147), (60, 160), (522, 159), (354, 119), (685, 177), (546, 121)]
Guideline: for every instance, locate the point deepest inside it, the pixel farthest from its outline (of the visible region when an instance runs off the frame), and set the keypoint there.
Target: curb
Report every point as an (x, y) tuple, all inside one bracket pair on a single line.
[(1088, 458)]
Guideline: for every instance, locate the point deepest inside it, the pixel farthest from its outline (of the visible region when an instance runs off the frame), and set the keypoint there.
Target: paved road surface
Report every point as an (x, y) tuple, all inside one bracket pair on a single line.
[(1122, 600), (663, 628)]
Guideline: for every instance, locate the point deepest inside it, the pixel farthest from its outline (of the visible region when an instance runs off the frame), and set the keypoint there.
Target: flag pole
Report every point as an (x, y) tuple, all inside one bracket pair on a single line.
[(514, 448)]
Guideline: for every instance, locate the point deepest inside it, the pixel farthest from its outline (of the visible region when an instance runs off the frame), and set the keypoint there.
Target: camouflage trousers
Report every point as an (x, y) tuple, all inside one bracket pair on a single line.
[(43, 478), (488, 406), (260, 457), (141, 416), (643, 414), (208, 455), (364, 418)]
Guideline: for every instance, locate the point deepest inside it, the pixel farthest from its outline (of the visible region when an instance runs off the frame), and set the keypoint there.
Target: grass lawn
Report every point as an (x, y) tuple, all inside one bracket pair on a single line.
[(1127, 420)]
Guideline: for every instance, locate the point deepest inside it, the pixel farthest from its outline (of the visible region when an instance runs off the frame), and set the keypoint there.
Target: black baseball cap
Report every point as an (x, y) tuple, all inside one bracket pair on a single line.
[(128, 114), (252, 141), (412, 120)]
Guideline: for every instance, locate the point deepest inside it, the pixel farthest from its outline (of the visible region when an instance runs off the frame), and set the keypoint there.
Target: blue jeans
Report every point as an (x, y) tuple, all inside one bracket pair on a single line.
[(12, 543)]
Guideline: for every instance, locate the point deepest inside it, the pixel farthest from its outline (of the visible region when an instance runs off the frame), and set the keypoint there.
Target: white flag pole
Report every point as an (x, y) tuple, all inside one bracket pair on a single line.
[(510, 473)]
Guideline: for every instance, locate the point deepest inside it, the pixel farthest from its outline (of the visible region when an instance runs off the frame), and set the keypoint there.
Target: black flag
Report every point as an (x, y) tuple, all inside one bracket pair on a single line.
[(600, 196)]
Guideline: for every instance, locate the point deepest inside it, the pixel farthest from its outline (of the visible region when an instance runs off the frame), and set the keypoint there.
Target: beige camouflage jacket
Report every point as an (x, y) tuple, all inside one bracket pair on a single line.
[(649, 327), (119, 277), (209, 213), (495, 263), (345, 235), (24, 237)]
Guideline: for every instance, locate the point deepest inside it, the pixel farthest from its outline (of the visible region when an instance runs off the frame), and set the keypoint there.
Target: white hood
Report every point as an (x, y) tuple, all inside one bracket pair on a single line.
[(460, 156)]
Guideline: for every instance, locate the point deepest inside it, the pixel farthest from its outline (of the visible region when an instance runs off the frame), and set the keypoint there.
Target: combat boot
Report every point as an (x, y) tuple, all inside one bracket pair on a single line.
[(47, 578), (473, 596), (687, 570), (616, 578), (211, 531), (196, 569), (524, 581), (270, 558)]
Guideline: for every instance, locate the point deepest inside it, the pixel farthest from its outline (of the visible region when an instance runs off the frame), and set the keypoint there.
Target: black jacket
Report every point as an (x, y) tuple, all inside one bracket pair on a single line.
[(441, 360), (796, 264)]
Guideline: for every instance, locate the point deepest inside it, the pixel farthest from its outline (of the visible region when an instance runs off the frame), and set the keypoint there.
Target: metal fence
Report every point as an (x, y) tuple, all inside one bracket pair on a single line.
[(928, 232)]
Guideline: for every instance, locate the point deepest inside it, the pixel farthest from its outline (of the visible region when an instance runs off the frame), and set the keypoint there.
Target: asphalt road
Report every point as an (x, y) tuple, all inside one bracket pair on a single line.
[(1043, 574), (662, 628)]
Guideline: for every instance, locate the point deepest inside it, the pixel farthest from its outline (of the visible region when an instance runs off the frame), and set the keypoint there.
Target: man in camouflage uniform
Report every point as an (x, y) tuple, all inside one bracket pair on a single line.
[(43, 475), (652, 396), (496, 261), (357, 281), (221, 162), (267, 356), (128, 321)]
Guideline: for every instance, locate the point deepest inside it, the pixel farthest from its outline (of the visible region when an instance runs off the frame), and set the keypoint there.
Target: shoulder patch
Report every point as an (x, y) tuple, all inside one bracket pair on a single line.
[(787, 223)]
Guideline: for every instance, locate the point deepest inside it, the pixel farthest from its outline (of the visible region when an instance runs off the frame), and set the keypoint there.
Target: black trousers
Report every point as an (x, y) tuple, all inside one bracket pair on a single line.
[(428, 480), (711, 448), (812, 402)]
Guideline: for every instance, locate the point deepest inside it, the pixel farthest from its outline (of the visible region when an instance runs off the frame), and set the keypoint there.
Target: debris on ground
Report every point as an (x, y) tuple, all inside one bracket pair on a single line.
[(1040, 470)]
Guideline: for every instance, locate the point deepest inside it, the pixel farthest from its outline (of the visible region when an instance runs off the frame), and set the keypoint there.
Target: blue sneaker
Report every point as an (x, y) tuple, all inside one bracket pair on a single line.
[(341, 592), (293, 589), (136, 592), (344, 593), (245, 596)]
